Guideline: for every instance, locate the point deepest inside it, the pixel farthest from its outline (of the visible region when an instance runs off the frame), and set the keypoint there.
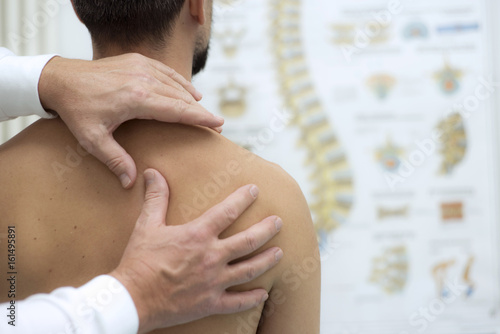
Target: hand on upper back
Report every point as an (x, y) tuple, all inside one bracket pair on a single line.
[(93, 98), (178, 274)]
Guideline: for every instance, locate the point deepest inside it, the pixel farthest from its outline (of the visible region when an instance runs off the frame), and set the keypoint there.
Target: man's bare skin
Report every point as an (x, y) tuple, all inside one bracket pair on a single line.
[(73, 223)]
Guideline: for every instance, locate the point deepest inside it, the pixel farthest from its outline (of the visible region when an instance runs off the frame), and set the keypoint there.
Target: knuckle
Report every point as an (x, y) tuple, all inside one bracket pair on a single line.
[(241, 304), (115, 163), (188, 97), (169, 71), (232, 248), (251, 241), (138, 95), (86, 144), (180, 107), (93, 136), (211, 260), (147, 79), (135, 56), (153, 195), (199, 234), (230, 213), (251, 272), (138, 59)]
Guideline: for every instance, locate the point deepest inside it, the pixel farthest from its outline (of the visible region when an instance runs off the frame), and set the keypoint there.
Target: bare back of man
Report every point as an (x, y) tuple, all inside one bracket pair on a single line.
[(73, 219)]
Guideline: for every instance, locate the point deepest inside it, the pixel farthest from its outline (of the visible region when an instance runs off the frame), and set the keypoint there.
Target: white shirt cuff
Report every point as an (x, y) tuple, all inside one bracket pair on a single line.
[(102, 306), (112, 306), (19, 80)]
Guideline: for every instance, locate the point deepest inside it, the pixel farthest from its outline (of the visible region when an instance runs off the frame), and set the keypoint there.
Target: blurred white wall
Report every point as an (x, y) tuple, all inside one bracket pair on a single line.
[(33, 27)]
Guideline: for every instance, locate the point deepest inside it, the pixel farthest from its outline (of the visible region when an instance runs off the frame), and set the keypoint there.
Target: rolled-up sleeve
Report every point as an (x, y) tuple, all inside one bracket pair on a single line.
[(19, 77), (102, 306)]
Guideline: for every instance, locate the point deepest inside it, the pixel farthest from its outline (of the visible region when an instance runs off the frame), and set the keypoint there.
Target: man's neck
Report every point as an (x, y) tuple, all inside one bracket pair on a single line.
[(178, 55)]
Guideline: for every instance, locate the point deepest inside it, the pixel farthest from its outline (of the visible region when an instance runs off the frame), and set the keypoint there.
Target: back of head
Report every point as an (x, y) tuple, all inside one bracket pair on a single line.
[(150, 27), (128, 23)]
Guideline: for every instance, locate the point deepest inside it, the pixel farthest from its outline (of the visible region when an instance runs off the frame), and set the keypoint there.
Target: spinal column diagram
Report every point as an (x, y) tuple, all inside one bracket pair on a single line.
[(390, 271), (331, 177), (453, 142)]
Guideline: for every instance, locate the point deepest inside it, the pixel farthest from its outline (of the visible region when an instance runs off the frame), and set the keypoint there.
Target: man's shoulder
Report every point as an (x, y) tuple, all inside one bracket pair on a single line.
[(209, 166), (196, 147)]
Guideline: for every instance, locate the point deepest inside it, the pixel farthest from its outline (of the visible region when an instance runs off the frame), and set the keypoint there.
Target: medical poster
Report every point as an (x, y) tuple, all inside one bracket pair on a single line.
[(389, 114)]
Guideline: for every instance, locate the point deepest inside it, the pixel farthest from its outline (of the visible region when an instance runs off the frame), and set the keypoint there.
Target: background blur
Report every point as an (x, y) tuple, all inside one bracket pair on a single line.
[(392, 134)]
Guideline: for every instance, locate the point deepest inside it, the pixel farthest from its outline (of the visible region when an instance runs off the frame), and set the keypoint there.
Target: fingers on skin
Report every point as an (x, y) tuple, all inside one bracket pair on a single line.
[(221, 216), (117, 159), (168, 87), (157, 194), (252, 239), (235, 302), (169, 72), (158, 70), (248, 270), (167, 109)]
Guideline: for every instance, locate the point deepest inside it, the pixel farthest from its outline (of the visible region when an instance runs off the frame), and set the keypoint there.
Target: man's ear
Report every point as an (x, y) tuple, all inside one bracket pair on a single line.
[(197, 10)]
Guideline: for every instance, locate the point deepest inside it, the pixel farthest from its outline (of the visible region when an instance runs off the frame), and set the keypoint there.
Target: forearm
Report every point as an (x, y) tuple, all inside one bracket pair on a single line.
[(19, 78), (101, 306)]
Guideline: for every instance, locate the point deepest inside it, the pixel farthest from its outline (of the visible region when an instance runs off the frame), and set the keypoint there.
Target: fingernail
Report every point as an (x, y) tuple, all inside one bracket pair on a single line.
[(278, 255), (149, 176), (264, 298), (254, 191), (219, 119), (200, 95), (125, 180), (278, 223)]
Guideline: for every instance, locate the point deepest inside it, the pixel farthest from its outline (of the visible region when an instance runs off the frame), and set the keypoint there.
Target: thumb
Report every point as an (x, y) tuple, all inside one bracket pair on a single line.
[(117, 159), (155, 206)]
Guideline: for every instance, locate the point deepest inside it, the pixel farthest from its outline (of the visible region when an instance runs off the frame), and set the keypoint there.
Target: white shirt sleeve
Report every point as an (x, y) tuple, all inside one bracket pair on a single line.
[(102, 306), (19, 77)]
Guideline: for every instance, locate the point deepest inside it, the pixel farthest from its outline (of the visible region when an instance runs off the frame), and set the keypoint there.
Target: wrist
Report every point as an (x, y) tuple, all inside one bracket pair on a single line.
[(48, 84), (58, 76), (142, 313)]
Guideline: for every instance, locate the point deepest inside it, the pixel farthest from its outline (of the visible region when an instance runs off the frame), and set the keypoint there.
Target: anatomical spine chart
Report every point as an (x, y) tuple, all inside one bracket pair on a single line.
[(390, 132)]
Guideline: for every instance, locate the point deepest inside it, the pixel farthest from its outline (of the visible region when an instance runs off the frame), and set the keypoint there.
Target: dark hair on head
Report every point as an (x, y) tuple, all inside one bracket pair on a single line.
[(128, 23)]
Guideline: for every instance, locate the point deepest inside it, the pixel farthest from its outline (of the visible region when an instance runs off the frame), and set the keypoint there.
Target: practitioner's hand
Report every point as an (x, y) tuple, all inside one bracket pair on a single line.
[(94, 97), (178, 274)]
